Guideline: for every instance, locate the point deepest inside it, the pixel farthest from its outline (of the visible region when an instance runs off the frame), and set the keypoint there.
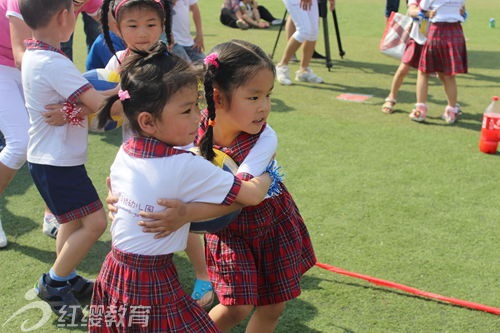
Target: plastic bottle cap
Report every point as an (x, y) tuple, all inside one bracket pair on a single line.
[(496, 98)]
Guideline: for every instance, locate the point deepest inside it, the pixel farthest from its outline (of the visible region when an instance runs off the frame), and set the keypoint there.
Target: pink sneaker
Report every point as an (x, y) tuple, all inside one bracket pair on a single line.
[(419, 112), (450, 114)]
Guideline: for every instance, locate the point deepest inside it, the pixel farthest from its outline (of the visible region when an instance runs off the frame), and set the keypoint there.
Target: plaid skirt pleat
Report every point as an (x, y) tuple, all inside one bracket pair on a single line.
[(260, 258), (138, 293), (445, 50), (412, 53)]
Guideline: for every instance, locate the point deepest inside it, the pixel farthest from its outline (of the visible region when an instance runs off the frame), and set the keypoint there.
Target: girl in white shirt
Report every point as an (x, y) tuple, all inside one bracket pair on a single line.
[(159, 96)]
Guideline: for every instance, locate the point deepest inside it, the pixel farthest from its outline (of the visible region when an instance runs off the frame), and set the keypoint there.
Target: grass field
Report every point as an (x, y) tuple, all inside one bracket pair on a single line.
[(413, 203)]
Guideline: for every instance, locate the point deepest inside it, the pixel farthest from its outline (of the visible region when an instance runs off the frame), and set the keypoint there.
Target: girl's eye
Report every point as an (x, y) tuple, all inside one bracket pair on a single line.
[(254, 98)]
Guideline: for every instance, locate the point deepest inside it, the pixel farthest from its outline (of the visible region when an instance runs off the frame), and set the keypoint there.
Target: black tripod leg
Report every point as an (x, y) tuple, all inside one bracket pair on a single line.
[(323, 13), (328, 56), (339, 42), (283, 22)]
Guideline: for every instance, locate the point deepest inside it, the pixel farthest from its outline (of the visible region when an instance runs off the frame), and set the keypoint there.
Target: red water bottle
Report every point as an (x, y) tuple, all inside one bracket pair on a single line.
[(490, 130)]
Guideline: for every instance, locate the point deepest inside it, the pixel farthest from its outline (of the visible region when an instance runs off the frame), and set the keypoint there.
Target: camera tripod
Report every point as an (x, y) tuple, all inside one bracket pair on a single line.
[(323, 13)]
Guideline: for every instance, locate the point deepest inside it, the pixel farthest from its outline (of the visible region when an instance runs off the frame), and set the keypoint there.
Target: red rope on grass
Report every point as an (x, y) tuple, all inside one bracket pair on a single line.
[(411, 290)]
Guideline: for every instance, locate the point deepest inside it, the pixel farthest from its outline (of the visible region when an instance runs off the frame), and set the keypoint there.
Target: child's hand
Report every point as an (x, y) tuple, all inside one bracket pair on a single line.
[(111, 200), (54, 116), (167, 221)]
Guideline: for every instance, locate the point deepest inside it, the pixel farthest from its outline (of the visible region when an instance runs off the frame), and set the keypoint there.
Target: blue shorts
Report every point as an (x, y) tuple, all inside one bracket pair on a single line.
[(67, 191)]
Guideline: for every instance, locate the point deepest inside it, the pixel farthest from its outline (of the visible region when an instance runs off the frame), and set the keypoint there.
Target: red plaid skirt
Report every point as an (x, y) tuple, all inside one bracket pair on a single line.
[(138, 293), (412, 53), (445, 50), (260, 258)]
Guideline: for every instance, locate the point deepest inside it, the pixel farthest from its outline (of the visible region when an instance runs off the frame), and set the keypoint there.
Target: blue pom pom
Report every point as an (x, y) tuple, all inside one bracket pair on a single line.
[(274, 171)]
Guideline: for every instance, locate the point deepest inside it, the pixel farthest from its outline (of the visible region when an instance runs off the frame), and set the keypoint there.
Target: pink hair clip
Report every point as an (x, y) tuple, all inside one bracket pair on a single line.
[(212, 59), (123, 95)]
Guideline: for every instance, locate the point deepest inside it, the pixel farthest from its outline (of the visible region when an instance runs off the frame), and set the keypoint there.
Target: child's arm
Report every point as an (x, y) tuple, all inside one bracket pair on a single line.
[(198, 39)]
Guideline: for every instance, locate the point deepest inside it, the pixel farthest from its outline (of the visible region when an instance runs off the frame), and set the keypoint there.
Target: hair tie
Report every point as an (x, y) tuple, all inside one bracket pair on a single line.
[(211, 122), (212, 59), (123, 95)]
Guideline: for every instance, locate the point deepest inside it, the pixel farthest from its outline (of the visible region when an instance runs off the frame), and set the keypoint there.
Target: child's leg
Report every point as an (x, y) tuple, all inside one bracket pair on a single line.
[(265, 318), (196, 253), (227, 317), (398, 79), (74, 241), (450, 88), (422, 87)]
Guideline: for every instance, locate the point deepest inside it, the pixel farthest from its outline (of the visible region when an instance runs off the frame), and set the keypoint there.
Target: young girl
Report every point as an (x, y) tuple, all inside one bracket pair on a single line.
[(255, 263), (141, 23), (159, 96), (445, 53), (411, 58)]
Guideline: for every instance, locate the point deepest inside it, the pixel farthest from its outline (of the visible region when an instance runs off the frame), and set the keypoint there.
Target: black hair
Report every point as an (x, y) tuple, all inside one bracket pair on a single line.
[(163, 7), (237, 62), (150, 78), (38, 13)]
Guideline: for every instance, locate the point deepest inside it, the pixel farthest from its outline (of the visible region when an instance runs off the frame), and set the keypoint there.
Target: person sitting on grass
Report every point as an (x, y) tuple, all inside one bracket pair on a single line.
[(246, 14)]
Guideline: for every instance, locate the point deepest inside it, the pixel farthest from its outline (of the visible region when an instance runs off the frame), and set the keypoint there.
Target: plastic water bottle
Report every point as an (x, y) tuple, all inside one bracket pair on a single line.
[(490, 129), (492, 23)]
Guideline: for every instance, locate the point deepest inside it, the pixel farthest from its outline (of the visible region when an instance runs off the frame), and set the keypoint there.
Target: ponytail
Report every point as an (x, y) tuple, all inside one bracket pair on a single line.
[(104, 115), (206, 142), (105, 8)]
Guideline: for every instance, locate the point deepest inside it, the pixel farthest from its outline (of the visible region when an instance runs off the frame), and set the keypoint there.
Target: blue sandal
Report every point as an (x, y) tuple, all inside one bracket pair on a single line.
[(201, 288)]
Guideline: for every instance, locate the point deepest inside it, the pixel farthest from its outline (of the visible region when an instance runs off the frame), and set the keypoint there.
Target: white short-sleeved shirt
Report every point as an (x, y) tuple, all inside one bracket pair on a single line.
[(446, 10), (49, 77), (181, 28), (261, 154), (139, 182)]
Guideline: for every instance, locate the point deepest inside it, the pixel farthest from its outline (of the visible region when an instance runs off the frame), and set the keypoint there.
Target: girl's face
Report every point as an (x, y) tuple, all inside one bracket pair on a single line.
[(249, 108), (180, 118), (140, 27)]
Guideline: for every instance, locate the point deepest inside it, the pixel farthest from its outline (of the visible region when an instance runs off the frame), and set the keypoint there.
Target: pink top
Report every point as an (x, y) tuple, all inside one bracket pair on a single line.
[(7, 8)]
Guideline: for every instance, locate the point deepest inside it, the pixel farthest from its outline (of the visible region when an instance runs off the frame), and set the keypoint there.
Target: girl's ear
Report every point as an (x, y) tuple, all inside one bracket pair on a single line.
[(146, 123), (218, 98)]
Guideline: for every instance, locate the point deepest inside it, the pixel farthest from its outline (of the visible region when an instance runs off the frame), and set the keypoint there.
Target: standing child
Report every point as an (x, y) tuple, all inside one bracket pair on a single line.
[(445, 53), (56, 154), (411, 58), (159, 96), (188, 48), (256, 262), (141, 23)]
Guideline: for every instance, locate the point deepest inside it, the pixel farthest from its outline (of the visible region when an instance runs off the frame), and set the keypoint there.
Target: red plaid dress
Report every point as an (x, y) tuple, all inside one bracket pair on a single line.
[(261, 256), (412, 53), (445, 50), (138, 293)]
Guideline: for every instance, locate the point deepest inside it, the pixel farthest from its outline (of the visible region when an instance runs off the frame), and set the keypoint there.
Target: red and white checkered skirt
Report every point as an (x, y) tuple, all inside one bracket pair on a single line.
[(138, 293), (445, 50), (412, 53), (260, 258)]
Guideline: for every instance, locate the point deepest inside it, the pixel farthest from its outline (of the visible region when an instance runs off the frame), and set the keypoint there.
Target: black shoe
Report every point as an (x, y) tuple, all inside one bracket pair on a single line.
[(61, 300), (82, 287), (316, 55)]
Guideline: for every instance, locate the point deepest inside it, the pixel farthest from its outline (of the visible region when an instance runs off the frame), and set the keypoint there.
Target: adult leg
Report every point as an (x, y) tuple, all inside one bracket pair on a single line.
[(265, 14), (391, 6), (228, 18)]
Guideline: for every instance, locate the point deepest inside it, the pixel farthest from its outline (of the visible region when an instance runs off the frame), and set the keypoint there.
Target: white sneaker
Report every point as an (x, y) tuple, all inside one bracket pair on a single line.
[(3, 237), (276, 22), (50, 225), (242, 25), (307, 76), (283, 76)]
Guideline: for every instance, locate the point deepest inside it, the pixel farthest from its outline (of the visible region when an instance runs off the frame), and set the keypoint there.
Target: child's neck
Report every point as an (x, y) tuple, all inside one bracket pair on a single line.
[(223, 137), (47, 36)]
